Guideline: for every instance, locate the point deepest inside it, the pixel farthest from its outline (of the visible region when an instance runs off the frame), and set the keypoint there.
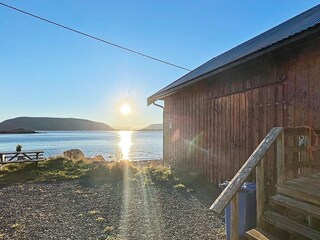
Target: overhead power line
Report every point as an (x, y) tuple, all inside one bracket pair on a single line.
[(93, 37)]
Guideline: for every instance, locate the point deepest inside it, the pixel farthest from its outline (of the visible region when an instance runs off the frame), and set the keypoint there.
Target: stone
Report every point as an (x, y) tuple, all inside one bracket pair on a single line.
[(74, 154), (98, 159)]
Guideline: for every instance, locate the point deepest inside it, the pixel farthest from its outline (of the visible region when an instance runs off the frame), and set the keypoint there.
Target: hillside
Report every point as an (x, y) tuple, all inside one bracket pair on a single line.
[(153, 127), (17, 131), (53, 124)]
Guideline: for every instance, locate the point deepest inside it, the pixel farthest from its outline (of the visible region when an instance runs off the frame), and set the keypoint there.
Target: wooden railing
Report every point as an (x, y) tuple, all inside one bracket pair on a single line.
[(301, 156), (230, 193), (297, 155)]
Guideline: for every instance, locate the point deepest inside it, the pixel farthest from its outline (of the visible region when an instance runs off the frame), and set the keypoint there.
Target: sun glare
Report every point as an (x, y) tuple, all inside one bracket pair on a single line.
[(125, 144), (125, 109)]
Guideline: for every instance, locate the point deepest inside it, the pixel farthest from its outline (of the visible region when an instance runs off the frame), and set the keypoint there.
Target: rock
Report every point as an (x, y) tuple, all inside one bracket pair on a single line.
[(98, 159), (74, 154)]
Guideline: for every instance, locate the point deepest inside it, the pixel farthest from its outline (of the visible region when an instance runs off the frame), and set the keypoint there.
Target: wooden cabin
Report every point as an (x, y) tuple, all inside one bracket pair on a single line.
[(215, 117)]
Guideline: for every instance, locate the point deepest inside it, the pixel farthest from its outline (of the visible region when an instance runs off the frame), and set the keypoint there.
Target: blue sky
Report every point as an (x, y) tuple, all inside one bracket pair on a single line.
[(48, 71)]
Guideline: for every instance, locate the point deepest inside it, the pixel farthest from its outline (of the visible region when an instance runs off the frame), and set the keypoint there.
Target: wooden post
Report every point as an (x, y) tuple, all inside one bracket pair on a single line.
[(235, 184), (280, 158), (260, 193), (234, 217)]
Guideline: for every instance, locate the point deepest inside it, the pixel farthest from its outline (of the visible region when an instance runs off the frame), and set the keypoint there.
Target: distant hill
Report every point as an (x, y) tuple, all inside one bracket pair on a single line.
[(153, 127), (53, 124), (17, 131)]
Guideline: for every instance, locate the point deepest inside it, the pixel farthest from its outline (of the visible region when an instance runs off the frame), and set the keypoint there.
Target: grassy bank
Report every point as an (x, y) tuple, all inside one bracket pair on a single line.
[(63, 169), (95, 173)]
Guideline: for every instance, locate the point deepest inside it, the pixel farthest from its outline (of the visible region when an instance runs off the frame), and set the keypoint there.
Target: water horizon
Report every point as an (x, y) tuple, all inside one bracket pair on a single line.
[(112, 145)]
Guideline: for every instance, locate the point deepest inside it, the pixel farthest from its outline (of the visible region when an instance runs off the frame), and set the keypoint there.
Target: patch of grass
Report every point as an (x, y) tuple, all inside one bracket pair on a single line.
[(113, 238), (100, 219), (179, 186), (93, 212), (18, 226), (108, 229), (221, 232), (91, 174), (147, 181), (54, 169), (61, 169), (160, 173), (80, 215)]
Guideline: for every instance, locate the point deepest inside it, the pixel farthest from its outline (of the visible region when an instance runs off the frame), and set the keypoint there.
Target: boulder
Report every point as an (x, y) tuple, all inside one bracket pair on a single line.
[(98, 159), (74, 154)]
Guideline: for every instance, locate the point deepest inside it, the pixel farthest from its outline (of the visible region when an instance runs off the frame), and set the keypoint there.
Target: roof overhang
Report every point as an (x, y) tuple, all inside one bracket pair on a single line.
[(165, 92), (289, 32)]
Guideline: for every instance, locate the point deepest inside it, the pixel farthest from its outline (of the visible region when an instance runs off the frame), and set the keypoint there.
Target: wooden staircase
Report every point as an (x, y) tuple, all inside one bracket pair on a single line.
[(293, 213), (288, 200)]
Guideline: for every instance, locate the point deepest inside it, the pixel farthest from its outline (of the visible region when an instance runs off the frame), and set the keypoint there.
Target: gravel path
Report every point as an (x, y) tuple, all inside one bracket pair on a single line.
[(119, 210)]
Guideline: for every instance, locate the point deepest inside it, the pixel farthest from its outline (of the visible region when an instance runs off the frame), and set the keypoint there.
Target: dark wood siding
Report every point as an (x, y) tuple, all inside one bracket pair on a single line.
[(215, 125)]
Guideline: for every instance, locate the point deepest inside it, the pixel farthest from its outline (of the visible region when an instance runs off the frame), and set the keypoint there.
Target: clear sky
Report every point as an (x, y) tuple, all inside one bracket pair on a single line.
[(48, 71)]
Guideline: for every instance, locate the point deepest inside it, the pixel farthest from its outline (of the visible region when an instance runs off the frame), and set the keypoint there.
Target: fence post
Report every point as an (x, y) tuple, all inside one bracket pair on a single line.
[(234, 217), (280, 158), (260, 193)]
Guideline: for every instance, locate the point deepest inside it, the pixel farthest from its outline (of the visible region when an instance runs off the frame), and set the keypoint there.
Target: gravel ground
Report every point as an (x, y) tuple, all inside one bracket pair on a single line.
[(118, 210)]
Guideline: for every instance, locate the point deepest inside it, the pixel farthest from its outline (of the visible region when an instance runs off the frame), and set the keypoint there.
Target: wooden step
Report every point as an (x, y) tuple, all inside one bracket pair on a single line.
[(300, 192), (303, 207), (259, 234), (289, 225)]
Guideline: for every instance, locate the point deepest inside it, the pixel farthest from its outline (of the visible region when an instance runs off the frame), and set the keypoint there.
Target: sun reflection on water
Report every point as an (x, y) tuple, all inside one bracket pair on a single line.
[(125, 144)]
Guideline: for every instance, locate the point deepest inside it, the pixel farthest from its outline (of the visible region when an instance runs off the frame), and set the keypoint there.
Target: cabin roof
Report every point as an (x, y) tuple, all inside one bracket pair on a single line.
[(289, 29)]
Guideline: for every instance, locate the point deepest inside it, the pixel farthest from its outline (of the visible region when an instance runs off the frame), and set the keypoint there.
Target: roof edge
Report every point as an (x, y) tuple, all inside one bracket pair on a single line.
[(162, 94)]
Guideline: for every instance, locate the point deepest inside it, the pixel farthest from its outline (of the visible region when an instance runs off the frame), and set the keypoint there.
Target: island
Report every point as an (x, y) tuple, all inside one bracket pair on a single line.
[(53, 124), (18, 131), (153, 127)]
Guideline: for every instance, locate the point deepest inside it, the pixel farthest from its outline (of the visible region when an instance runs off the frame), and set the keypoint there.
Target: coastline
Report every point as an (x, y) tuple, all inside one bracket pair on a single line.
[(18, 131)]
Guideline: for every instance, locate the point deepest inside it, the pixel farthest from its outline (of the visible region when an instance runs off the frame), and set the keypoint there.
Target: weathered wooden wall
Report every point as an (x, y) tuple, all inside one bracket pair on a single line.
[(215, 125)]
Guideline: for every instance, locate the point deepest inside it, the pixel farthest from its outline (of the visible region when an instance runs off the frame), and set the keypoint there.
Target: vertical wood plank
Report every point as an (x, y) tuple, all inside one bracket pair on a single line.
[(270, 123), (226, 144), (260, 191), (211, 140), (165, 132), (216, 169), (247, 127), (316, 87), (236, 137), (256, 123), (202, 141), (234, 217), (280, 159), (242, 131), (290, 101), (233, 133), (219, 162), (251, 145), (312, 68), (301, 91), (193, 126)]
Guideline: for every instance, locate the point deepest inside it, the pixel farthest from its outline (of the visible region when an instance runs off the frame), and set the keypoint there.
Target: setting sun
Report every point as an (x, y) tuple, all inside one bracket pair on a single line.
[(125, 109)]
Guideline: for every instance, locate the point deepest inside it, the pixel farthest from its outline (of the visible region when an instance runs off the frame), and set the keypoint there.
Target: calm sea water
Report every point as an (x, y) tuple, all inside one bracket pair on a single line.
[(115, 145)]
